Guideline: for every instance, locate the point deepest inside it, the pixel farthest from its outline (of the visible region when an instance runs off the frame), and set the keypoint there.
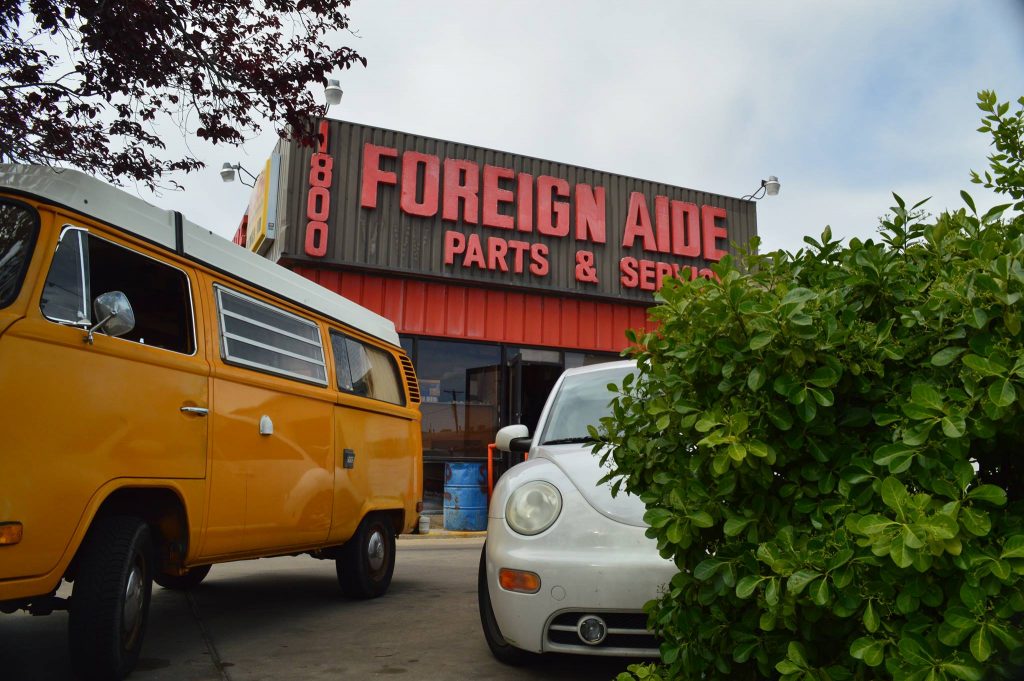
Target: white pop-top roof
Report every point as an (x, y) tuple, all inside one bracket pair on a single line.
[(90, 196)]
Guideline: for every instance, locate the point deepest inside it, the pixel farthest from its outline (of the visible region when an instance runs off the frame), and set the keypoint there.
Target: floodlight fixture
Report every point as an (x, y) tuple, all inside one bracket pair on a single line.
[(227, 174), (769, 187), (333, 92)]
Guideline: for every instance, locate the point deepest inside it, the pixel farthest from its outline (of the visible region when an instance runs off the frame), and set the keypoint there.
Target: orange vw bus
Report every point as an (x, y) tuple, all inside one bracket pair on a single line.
[(169, 400)]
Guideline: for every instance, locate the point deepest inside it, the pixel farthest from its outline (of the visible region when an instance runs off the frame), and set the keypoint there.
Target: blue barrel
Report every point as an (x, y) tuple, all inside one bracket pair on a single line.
[(465, 496)]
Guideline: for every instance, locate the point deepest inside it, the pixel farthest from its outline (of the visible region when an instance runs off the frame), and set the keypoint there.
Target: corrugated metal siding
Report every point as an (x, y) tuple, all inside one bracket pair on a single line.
[(387, 239), (452, 311)]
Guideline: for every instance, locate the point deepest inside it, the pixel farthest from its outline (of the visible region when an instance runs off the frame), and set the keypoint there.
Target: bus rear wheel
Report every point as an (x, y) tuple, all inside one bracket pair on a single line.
[(367, 560)]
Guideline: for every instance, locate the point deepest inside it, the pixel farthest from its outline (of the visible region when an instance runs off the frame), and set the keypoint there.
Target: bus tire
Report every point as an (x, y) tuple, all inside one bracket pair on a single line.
[(110, 598), (367, 560)]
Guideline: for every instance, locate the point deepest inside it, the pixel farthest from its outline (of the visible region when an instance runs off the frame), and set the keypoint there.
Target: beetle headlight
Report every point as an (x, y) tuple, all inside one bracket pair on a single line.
[(532, 508)]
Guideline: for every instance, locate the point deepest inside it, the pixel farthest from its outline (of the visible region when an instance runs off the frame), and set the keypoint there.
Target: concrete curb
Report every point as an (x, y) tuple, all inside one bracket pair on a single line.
[(445, 534)]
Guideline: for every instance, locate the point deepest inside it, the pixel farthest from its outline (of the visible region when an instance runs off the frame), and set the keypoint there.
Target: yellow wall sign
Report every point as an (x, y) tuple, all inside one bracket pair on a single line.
[(262, 214)]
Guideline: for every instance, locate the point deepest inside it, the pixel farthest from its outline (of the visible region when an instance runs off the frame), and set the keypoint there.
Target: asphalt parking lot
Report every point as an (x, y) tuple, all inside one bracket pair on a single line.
[(285, 618)]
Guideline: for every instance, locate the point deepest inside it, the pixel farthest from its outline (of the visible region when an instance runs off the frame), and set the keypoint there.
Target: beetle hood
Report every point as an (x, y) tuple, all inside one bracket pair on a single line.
[(583, 467)]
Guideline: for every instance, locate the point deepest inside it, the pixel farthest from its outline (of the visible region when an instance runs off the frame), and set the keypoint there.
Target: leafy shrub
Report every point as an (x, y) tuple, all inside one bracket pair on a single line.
[(829, 444)]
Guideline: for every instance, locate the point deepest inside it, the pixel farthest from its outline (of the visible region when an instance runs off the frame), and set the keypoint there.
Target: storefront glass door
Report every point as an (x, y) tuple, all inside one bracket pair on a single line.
[(531, 375)]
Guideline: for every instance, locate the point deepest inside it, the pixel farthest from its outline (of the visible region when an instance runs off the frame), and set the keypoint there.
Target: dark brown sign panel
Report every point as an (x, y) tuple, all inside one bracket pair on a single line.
[(377, 199)]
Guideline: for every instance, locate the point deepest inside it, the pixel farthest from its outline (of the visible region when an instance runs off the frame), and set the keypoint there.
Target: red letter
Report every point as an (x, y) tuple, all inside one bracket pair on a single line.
[(373, 175), (590, 213), (411, 162), (494, 195), (496, 251), (538, 254), (628, 268), (518, 247), (524, 202), (320, 167), (647, 275), (318, 204), (454, 243), (710, 231), (316, 239), (548, 208), (461, 181), (661, 222), (586, 270), (474, 253), (638, 223), (324, 128), (685, 229)]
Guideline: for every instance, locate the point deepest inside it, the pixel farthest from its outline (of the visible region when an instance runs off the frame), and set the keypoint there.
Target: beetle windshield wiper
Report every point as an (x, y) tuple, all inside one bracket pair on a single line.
[(568, 440)]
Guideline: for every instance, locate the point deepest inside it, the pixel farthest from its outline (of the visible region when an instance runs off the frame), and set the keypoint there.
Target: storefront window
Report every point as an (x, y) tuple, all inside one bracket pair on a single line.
[(407, 344), (459, 383)]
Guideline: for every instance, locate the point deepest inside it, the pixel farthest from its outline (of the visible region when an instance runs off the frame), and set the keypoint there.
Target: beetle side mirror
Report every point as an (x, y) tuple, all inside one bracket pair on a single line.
[(515, 438), (114, 313)]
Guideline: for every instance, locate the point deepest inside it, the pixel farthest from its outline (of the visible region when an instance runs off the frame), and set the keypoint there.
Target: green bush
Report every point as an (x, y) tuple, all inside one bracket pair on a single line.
[(829, 444)]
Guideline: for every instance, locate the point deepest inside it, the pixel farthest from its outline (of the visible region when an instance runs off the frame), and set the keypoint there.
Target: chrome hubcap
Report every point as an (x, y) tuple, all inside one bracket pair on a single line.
[(375, 551), (131, 612)]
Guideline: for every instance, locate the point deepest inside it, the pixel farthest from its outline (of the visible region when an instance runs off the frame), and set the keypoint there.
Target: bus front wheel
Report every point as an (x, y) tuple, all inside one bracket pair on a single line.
[(110, 598)]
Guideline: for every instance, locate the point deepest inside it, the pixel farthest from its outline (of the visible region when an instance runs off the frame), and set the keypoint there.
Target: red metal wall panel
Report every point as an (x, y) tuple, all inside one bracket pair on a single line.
[(587, 324), (476, 314), (414, 313), (552, 331), (496, 314), (515, 318), (532, 322), (439, 309), (570, 322), (394, 299), (436, 312)]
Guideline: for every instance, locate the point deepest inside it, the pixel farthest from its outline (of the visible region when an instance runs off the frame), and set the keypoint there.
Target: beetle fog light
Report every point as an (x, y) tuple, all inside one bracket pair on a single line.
[(532, 508), (591, 629)]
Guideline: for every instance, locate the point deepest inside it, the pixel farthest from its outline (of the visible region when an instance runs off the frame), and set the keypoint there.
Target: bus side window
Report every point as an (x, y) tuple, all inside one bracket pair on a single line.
[(264, 337), (66, 291), (86, 266), (365, 370)]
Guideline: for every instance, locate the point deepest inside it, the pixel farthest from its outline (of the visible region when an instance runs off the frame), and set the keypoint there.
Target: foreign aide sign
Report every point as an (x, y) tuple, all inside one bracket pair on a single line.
[(377, 199)]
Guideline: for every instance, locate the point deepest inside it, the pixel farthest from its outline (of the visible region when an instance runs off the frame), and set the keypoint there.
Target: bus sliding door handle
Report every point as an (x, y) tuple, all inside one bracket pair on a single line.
[(198, 411)]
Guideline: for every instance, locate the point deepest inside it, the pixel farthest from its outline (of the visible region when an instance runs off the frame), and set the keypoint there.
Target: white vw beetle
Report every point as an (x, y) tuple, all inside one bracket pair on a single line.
[(567, 567)]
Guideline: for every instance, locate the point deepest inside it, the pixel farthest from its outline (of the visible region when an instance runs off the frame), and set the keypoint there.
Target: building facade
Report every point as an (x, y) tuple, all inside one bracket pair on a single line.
[(499, 270)]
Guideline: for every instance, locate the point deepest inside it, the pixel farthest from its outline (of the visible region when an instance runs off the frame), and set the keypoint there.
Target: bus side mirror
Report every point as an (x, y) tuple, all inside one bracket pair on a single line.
[(114, 313), (515, 438)]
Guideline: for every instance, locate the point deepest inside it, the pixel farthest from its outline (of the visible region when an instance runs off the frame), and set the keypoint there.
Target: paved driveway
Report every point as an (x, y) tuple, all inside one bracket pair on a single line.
[(285, 618)]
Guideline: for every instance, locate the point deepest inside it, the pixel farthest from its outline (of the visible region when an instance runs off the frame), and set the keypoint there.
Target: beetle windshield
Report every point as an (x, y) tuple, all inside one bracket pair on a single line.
[(582, 400)]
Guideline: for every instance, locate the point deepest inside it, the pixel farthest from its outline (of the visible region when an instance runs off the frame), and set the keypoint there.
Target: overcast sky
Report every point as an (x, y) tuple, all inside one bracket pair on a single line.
[(844, 102)]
